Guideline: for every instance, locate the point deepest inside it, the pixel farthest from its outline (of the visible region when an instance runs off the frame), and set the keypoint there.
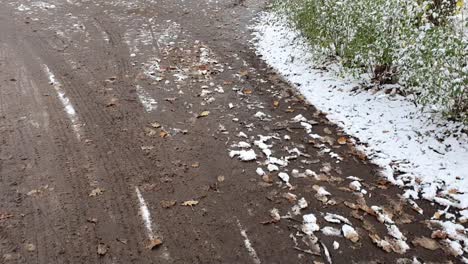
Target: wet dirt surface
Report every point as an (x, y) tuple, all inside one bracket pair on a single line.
[(117, 119)]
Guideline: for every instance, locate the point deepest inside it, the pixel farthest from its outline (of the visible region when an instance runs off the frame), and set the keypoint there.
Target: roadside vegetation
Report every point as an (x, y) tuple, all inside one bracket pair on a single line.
[(420, 45)]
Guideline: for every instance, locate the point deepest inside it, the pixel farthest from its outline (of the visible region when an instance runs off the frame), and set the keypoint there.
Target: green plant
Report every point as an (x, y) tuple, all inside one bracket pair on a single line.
[(422, 44)]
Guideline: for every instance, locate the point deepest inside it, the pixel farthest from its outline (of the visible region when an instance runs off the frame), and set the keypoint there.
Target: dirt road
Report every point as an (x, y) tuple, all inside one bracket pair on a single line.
[(117, 119)]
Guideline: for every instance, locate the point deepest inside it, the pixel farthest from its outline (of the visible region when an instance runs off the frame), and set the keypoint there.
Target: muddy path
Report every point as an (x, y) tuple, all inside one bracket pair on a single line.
[(117, 119)]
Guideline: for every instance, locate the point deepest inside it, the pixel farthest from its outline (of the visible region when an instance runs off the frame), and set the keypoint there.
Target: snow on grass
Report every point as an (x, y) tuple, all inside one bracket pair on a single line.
[(411, 146)]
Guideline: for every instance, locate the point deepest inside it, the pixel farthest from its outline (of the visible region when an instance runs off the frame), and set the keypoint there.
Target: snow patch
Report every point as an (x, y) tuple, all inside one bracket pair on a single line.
[(395, 133), (69, 109)]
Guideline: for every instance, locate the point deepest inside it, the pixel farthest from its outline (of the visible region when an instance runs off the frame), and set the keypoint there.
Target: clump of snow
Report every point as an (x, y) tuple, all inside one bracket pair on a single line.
[(337, 219), (260, 115), (242, 135), (284, 177), (309, 225), (336, 245), (244, 155), (301, 204), (331, 231), (260, 172), (242, 144), (272, 167), (395, 133), (355, 186), (350, 233)]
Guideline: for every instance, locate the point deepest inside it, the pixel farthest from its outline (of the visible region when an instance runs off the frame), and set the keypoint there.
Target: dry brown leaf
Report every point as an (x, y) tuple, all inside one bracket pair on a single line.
[(168, 203), (267, 178), (154, 243), (383, 244), (342, 140), (30, 247), (276, 104), (112, 102), (290, 197), (247, 91), (190, 203), (101, 249), (4, 216), (426, 243), (150, 132), (327, 131), (439, 234), (204, 114), (96, 192), (351, 205), (355, 214), (156, 125), (437, 215), (163, 134)]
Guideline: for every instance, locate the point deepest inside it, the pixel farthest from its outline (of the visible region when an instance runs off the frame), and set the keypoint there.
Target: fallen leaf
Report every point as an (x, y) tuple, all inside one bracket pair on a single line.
[(30, 247), (112, 102), (426, 243), (292, 198), (163, 134), (327, 131), (439, 234), (190, 203), (247, 91), (342, 140), (267, 178), (154, 243), (96, 192), (170, 100), (92, 220), (383, 244), (101, 249), (150, 132), (155, 125), (168, 203), (276, 104), (4, 216), (204, 114), (438, 214), (123, 241)]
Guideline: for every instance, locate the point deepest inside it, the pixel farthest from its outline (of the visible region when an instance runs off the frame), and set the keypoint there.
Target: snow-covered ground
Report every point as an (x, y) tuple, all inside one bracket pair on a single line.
[(415, 149)]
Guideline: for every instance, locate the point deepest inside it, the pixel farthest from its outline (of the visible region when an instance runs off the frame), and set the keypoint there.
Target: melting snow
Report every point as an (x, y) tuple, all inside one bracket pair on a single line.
[(398, 136), (244, 155)]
